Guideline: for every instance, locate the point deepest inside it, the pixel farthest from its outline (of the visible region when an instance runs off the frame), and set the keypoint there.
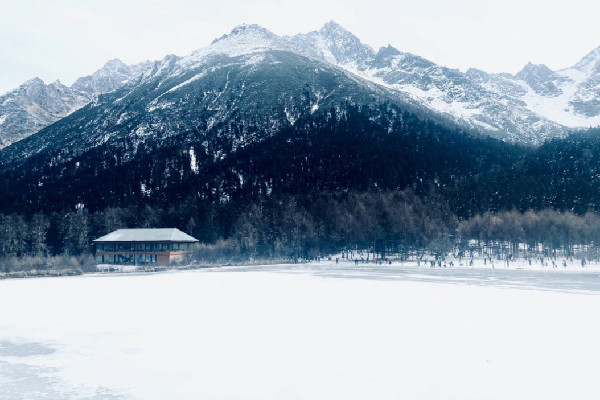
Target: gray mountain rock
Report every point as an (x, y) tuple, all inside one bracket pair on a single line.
[(529, 107), (533, 105), (111, 76), (35, 105), (333, 44)]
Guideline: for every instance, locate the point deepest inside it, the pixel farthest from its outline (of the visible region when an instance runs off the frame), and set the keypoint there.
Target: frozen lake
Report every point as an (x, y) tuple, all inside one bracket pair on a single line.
[(310, 331)]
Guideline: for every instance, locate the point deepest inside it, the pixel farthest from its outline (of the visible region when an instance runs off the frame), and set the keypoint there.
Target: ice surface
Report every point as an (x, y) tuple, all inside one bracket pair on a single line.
[(311, 331)]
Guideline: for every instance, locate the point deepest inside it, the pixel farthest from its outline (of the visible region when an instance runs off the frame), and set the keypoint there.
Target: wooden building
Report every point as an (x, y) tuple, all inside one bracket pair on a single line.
[(143, 246)]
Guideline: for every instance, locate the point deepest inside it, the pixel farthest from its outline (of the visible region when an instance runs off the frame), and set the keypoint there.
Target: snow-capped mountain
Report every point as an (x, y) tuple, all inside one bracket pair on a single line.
[(529, 107), (257, 114), (535, 104), (35, 105), (113, 75), (245, 87), (334, 45)]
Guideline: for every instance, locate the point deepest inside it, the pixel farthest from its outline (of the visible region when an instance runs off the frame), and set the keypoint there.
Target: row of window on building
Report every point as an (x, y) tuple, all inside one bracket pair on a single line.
[(127, 258), (144, 246)]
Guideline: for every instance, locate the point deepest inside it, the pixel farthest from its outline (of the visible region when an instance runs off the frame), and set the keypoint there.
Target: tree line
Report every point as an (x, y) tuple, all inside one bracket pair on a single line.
[(377, 224), (532, 233)]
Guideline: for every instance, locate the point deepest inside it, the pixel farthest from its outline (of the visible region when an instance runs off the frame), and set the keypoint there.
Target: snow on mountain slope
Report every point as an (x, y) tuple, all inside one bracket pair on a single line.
[(243, 39), (577, 104), (533, 105), (223, 94), (113, 75), (529, 107), (334, 45), (35, 105)]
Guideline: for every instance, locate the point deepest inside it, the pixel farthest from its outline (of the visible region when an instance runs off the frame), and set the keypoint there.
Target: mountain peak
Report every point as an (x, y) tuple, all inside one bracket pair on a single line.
[(245, 28), (385, 55), (243, 39), (242, 30), (534, 69), (57, 84), (33, 82), (332, 26), (334, 30), (541, 79), (111, 76), (589, 61), (335, 44), (388, 51), (114, 64)]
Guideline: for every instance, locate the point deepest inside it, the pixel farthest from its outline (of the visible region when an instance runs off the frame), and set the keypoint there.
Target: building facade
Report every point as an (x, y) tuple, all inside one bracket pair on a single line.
[(144, 247)]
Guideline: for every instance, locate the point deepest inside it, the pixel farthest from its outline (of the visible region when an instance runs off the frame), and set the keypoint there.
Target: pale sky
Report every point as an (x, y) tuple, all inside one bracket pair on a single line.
[(66, 39)]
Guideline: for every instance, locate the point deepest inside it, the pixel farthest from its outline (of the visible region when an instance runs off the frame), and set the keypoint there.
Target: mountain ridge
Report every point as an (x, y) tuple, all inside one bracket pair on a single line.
[(248, 118), (529, 107), (34, 104), (502, 105)]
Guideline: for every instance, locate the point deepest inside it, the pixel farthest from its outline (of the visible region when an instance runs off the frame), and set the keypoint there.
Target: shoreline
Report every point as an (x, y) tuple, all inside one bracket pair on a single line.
[(125, 269), (34, 273), (516, 265)]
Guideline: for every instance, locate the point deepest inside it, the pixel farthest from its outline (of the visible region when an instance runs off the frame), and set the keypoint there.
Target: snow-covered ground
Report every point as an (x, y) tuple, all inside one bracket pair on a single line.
[(310, 331)]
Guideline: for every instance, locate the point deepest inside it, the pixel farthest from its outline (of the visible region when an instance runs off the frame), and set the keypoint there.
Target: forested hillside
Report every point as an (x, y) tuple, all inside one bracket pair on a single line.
[(376, 178)]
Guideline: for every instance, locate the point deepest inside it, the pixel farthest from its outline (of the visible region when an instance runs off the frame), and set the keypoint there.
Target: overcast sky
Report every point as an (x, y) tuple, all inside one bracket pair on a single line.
[(66, 39)]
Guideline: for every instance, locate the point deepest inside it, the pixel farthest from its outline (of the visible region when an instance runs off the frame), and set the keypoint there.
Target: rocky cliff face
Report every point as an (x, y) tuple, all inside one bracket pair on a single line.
[(35, 105)]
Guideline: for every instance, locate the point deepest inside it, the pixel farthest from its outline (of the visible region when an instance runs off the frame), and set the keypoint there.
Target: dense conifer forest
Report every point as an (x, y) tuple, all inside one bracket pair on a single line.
[(369, 178)]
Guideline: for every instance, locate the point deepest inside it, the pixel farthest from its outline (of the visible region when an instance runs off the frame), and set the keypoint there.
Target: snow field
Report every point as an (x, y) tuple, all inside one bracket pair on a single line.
[(297, 332)]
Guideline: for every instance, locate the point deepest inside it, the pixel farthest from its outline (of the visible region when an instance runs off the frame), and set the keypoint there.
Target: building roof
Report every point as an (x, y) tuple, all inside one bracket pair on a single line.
[(147, 235)]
